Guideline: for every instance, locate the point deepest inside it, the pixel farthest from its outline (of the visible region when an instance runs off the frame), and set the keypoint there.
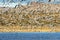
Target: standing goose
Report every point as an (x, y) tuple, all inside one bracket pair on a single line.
[(51, 0)]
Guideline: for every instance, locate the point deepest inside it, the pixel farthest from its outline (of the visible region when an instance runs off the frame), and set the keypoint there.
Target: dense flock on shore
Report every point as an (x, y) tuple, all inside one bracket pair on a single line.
[(35, 14)]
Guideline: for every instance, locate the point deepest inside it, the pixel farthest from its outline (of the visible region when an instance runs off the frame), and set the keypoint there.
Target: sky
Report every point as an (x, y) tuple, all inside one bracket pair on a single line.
[(24, 2)]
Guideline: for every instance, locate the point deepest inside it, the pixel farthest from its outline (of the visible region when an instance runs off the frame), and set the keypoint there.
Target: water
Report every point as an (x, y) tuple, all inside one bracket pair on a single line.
[(30, 36), (26, 1), (13, 3)]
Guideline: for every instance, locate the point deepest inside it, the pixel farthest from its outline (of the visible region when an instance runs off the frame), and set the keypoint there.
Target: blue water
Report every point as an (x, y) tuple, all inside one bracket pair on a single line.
[(30, 36), (13, 3), (26, 1)]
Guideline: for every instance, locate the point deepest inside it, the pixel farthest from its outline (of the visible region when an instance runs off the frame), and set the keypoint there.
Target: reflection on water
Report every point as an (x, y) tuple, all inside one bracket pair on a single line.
[(30, 36)]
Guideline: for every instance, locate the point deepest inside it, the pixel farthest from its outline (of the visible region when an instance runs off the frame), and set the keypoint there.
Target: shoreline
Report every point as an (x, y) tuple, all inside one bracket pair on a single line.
[(21, 29)]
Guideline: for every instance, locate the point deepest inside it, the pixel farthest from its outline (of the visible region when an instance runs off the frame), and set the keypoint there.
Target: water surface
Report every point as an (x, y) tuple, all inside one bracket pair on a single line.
[(30, 36), (13, 3)]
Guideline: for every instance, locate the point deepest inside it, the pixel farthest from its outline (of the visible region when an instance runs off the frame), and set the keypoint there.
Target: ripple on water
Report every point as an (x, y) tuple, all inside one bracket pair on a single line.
[(30, 36)]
